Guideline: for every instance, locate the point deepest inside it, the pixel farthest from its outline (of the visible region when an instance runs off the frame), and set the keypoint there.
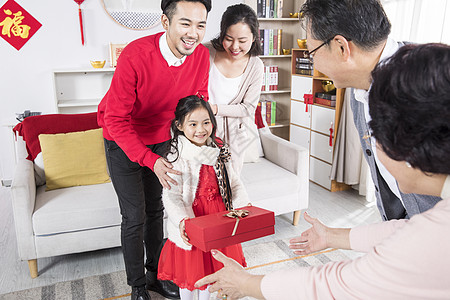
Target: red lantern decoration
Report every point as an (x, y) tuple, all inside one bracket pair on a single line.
[(81, 19)]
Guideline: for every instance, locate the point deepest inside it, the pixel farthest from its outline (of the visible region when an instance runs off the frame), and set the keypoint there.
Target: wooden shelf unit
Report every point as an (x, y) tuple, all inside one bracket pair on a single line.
[(291, 32), (314, 126)]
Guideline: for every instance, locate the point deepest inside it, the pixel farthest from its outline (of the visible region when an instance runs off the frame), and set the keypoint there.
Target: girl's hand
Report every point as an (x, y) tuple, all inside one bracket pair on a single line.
[(312, 240), (183, 232)]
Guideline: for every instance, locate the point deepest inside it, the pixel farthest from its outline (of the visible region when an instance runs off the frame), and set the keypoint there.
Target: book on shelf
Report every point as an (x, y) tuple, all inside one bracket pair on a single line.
[(303, 60), (268, 111), (270, 78), (259, 9), (279, 32), (303, 66), (262, 40), (273, 112), (326, 96), (304, 71), (325, 99), (271, 41), (275, 42), (266, 42), (274, 82), (269, 8), (280, 9)]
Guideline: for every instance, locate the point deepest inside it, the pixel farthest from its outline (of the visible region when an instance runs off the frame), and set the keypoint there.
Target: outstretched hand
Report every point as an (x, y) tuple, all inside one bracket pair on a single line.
[(161, 168), (312, 240), (232, 280)]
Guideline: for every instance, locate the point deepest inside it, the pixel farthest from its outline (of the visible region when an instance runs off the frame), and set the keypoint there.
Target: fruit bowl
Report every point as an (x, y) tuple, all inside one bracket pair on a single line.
[(98, 64)]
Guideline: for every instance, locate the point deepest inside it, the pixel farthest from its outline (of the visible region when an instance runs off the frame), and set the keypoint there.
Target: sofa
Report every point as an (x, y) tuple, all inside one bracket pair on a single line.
[(86, 217)]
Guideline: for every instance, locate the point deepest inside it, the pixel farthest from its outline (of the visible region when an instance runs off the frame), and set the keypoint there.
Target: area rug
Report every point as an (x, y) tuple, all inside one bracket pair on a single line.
[(261, 259)]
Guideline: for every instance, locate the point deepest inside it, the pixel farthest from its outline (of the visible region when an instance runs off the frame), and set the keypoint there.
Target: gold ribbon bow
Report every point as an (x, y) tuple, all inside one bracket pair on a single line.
[(236, 214)]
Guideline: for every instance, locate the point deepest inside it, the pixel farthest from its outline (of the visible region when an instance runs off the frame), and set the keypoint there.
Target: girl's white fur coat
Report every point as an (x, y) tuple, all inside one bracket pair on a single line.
[(178, 200)]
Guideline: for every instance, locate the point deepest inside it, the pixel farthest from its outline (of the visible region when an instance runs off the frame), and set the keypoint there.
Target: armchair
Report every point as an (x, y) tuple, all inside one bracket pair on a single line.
[(279, 181), (61, 221)]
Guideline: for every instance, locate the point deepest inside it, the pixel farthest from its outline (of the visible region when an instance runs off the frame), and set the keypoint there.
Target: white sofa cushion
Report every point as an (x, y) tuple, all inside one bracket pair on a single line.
[(75, 208), (265, 180)]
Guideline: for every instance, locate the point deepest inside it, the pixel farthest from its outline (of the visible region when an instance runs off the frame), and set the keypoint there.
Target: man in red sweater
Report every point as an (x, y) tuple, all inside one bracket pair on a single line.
[(152, 74)]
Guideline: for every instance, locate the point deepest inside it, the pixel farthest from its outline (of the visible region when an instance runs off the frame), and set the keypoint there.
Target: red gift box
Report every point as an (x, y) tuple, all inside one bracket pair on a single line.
[(215, 231)]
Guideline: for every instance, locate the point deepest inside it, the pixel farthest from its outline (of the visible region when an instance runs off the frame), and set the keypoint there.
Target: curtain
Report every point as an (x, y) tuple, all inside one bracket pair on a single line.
[(419, 21), (349, 165)]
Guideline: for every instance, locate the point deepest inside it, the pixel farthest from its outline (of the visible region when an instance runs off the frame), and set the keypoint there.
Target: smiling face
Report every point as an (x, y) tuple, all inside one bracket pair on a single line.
[(238, 40), (197, 126), (186, 29)]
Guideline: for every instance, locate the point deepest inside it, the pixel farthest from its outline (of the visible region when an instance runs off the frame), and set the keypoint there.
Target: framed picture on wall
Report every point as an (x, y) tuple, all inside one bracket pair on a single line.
[(114, 52)]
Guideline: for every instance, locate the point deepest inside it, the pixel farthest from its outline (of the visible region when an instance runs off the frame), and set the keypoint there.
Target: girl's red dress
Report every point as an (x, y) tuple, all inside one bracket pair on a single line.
[(185, 267)]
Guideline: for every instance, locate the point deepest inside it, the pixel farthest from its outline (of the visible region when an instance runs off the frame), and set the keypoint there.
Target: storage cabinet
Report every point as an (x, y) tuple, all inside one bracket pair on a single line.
[(291, 31), (80, 91), (314, 126)]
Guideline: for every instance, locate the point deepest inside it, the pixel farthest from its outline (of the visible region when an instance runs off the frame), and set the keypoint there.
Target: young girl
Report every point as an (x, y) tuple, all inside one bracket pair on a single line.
[(207, 184)]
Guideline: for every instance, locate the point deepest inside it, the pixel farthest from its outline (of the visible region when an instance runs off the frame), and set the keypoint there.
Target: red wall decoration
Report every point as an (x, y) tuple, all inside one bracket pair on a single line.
[(16, 24)]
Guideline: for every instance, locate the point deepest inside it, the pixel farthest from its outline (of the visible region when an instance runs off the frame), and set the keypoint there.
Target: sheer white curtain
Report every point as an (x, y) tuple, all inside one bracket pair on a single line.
[(420, 21)]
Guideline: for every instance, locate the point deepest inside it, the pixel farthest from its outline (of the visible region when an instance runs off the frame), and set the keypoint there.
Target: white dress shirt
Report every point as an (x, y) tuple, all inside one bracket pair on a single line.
[(168, 55)]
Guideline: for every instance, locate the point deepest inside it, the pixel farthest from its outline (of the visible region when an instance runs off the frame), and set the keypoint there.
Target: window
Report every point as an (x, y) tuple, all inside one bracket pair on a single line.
[(419, 21)]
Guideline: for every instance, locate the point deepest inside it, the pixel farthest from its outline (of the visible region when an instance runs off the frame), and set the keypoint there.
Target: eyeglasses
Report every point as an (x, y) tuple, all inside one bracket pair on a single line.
[(308, 54)]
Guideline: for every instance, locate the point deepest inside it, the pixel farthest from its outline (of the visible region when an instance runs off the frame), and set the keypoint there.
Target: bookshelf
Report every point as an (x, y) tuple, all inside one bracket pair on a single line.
[(314, 126), (291, 31)]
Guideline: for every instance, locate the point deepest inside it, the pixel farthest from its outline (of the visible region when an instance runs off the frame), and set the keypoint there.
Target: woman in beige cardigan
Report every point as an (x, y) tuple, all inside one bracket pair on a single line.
[(235, 79)]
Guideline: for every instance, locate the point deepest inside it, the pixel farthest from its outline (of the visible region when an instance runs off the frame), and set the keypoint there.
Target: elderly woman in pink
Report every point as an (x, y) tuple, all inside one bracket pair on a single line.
[(405, 259)]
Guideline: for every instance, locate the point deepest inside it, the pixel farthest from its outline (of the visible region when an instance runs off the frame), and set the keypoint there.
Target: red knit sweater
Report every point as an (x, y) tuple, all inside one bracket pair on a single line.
[(140, 103)]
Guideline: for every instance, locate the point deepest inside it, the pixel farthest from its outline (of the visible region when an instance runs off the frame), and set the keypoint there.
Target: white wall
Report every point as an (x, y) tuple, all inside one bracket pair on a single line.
[(25, 75)]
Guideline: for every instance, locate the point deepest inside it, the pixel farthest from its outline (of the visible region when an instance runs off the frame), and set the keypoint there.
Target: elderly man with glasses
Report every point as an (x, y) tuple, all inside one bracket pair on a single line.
[(349, 38)]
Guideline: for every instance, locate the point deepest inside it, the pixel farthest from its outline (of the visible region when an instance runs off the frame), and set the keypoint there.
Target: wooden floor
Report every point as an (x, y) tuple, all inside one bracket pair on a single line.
[(339, 209)]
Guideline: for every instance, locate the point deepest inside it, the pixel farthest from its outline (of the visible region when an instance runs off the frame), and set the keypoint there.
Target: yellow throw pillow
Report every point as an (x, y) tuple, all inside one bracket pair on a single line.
[(74, 158)]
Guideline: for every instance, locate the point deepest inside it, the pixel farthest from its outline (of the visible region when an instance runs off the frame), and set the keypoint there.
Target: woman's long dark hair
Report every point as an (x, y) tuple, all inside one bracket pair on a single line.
[(186, 106), (239, 13)]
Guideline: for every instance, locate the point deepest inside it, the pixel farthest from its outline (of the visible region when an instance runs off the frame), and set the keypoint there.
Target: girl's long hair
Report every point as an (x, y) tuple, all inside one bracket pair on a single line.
[(186, 106)]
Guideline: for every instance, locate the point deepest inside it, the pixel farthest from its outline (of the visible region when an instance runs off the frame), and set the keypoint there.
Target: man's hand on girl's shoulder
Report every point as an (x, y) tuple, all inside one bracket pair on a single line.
[(161, 168)]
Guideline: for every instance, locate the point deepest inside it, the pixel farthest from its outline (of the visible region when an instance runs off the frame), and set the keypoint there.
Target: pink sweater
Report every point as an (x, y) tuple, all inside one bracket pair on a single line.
[(406, 259)]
